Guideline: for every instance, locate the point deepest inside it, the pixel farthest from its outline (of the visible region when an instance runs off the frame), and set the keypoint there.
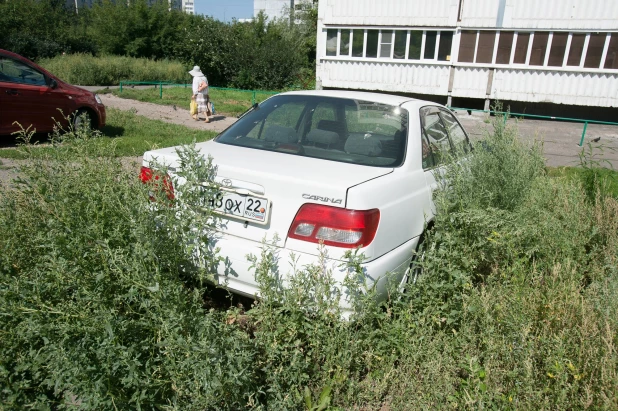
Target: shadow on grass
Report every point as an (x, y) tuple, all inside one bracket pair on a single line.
[(112, 131)]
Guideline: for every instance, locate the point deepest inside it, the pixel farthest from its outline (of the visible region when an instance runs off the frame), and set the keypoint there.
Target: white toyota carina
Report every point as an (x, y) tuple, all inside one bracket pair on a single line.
[(349, 169)]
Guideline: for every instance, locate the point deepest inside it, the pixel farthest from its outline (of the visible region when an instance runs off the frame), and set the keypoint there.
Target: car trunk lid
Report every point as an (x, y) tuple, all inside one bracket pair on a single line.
[(286, 181)]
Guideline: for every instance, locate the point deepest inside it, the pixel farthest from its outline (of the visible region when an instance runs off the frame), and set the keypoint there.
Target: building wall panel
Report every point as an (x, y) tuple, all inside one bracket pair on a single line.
[(545, 14), (585, 89), (470, 82), (435, 13), (391, 77)]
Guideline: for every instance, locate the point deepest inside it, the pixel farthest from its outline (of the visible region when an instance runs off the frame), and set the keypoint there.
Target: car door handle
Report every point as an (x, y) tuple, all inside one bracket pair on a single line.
[(12, 92)]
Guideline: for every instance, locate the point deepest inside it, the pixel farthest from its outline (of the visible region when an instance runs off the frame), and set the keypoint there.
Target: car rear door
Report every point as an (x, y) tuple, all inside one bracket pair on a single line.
[(443, 139), (27, 99)]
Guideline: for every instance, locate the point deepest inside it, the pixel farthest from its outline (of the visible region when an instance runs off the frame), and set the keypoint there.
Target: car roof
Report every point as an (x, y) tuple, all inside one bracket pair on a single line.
[(390, 99)]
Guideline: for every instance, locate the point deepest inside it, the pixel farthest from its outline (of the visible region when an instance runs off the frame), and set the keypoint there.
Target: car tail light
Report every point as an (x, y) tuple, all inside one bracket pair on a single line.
[(161, 181), (335, 226)]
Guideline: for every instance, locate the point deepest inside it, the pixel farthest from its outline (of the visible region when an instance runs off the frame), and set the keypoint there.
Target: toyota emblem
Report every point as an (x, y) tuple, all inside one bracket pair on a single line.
[(226, 182)]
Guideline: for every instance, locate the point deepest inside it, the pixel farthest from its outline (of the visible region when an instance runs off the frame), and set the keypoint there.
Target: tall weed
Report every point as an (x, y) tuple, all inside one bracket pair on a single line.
[(88, 70), (101, 299)]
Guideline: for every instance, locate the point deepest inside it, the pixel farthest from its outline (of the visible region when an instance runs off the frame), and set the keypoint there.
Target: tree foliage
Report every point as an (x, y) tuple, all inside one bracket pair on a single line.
[(260, 54)]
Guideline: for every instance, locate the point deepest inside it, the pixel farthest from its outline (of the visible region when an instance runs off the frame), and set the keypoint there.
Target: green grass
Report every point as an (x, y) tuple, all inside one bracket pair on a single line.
[(228, 102), (607, 178), (134, 134)]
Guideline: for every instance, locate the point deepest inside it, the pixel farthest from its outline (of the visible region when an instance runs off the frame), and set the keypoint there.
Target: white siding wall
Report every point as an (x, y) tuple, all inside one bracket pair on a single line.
[(392, 77), (583, 89), (542, 14), (437, 13)]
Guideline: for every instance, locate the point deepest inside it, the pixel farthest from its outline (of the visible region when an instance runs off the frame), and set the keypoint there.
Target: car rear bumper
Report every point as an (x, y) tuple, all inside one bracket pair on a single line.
[(238, 275)]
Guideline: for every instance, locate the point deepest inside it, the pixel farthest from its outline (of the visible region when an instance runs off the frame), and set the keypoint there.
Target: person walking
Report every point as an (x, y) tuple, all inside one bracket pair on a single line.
[(200, 92)]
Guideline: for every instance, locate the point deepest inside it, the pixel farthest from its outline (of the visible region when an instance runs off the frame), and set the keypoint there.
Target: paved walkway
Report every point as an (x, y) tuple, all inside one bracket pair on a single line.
[(560, 139)]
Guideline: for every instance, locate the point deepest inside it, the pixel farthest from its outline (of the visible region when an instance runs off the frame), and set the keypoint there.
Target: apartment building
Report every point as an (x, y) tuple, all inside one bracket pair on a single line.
[(551, 51)]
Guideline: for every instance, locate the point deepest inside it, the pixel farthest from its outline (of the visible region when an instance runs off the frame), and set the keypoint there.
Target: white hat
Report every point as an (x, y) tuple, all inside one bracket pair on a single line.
[(196, 72)]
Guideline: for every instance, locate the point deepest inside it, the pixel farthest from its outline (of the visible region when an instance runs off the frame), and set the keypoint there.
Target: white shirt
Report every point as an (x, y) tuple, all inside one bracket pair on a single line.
[(196, 84)]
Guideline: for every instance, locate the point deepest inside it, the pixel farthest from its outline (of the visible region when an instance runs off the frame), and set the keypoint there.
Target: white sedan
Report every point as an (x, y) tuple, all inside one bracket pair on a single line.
[(349, 169)]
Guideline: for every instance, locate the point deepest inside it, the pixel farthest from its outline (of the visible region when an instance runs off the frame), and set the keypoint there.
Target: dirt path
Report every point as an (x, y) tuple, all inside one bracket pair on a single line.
[(169, 114)]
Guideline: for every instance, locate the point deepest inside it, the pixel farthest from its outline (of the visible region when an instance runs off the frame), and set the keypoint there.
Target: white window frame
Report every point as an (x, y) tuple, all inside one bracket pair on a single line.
[(548, 48), (567, 50), (496, 42), (605, 48), (584, 51)]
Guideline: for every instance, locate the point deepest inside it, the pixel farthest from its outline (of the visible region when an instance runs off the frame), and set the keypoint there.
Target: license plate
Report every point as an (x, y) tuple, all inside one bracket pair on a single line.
[(247, 207)]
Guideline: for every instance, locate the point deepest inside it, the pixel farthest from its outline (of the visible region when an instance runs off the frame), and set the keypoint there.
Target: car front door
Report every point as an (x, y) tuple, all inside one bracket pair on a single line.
[(27, 99)]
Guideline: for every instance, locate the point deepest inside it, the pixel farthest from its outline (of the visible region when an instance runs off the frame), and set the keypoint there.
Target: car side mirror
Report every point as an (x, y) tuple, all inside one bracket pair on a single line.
[(53, 84)]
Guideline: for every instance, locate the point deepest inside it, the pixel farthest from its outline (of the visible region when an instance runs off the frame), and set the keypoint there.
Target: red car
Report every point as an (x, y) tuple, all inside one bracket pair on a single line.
[(32, 96)]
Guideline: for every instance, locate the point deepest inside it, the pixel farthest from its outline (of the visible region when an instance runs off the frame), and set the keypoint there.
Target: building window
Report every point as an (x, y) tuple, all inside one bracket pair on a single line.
[(416, 42), (358, 40), (372, 43), (505, 45), (430, 45), (399, 51), (467, 45), (344, 43), (557, 50), (611, 60), (446, 43), (595, 50), (331, 42), (389, 44), (539, 46), (521, 48), (386, 43), (576, 50), (485, 48)]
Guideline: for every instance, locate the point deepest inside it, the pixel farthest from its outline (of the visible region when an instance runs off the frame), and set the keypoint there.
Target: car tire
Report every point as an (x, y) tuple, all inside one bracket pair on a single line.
[(82, 120), (416, 269)]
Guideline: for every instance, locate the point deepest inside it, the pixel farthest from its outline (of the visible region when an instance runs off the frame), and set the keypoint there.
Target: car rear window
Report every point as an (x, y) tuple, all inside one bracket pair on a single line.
[(328, 128)]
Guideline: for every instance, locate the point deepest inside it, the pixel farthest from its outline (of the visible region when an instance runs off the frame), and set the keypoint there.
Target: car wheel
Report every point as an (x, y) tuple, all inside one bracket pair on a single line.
[(82, 121), (416, 269)]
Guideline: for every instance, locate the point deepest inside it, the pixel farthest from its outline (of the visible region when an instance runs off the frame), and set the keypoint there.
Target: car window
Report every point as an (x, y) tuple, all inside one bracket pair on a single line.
[(458, 136), (427, 156), (13, 71), (284, 119), (437, 136), (328, 128)]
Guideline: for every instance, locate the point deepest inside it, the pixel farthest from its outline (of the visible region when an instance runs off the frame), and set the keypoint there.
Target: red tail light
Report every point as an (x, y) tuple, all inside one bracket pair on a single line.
[(146, 174), (335, 226)]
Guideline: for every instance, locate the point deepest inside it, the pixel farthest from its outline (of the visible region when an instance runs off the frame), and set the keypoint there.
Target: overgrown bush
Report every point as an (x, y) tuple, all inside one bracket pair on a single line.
[(87, 70), (101, 300), (101, 305)]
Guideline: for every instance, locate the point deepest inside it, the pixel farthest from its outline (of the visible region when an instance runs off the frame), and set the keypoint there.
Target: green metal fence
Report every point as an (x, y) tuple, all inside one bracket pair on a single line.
[(506, 115), (163, 84)]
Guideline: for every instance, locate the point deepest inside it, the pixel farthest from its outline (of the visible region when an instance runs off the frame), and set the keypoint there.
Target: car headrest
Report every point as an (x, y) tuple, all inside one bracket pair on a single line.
[(322, 136), (280, 134), (331, 125), (363, 144)]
